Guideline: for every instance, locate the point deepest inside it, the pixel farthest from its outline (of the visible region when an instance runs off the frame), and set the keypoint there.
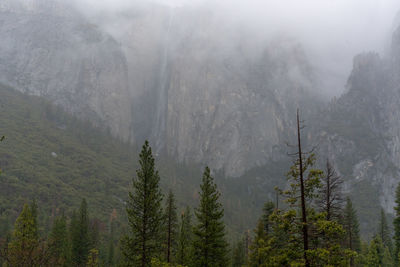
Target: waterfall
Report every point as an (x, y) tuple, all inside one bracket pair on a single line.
[(159, 128)]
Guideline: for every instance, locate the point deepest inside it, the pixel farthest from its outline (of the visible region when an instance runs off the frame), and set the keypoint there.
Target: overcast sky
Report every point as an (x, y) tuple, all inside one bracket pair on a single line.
[(332, 31)]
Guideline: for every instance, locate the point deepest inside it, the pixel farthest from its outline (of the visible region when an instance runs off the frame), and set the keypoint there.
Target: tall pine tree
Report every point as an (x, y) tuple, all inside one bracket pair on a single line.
[(80, 241), (171, 230), (396, 224), (145, 214), (184, 253), (25, 249), (210, 246), (239, 254), (59, 243), (351, 226), (268, 209), (384, 232)]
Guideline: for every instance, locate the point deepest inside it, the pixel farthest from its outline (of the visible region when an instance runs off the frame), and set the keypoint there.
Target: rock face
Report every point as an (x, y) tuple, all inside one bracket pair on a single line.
[(229, 105), (48, 49), (361, 129), (199, 89)]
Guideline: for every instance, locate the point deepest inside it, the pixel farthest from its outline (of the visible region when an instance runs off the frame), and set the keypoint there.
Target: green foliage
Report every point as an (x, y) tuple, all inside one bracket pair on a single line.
[(351, 226), (259, 251), (93, 258), (283, 244), (239, 254), (268, 209), (396, 224), (171, 229), (384, 232), (158, 263), (145, 214), (24, 248), (185, 249), (80, 243), (210, 246), (375, 253), (59, 243)]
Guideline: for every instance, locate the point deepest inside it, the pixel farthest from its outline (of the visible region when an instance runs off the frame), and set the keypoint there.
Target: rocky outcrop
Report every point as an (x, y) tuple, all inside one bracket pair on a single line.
[(48, 49), (361, 129)]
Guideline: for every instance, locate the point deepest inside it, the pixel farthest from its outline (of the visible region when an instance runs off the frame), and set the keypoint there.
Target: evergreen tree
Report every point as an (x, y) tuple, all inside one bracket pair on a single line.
[(34, 210), (268, 209), (396, 224), (387, 260), (384, 232), (184, 253), (111, 248), (145, 215), (210, 247), (375, 253), (93, 258), (24, 249), (239, 255), (171, 218), (80, 241), (258, 249), (351, 226), (59, 243), (94, 233)]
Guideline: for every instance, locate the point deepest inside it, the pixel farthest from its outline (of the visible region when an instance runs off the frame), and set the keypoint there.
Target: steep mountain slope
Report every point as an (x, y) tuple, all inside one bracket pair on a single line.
[(361, 130), (200, 87), (209, 90), (52, 157), (47, 48)]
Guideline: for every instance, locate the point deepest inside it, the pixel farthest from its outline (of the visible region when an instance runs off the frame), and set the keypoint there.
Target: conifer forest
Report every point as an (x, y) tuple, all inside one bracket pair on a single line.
[(199, 133)]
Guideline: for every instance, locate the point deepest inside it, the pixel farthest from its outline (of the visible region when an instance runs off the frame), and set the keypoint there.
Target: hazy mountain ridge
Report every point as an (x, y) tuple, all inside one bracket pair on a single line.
[(360, 130), (202, 90), (197, 87), (48, 49)]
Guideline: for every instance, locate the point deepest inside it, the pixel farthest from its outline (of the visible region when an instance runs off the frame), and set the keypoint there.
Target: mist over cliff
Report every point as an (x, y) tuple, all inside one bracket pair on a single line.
[(219, 83)]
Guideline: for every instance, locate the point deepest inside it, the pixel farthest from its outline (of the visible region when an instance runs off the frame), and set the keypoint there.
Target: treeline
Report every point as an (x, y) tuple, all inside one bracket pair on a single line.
[(156, 236), (310, 223), (332, 229), (72, 241)]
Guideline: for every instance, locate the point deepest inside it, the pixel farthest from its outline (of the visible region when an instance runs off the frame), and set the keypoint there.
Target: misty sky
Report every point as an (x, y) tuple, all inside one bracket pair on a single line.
[(332, 31)]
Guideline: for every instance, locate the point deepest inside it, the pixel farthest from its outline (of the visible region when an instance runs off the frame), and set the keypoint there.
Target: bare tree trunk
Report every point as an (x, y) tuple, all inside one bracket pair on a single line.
[(303, 201)]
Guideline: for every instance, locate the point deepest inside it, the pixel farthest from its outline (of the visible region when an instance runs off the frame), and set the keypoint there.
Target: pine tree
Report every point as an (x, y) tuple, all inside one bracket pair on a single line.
[(210, 247), (145, 214), (111, 248), (93, 258), (34, 210), (351, 226), (59, 243), (238, 257), (258, 252), (268, 209), (384, 232), (387, 260), (396, 224), (24, 245), (184, 253), (375, 253), (171, 227), (80, 236)]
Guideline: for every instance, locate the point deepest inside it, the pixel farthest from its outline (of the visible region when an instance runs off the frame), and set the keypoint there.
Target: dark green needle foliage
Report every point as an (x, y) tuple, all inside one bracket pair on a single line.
[(184, 253), (210, 246), (145, 214), (80, 241), (171, 229), (59, 243)]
